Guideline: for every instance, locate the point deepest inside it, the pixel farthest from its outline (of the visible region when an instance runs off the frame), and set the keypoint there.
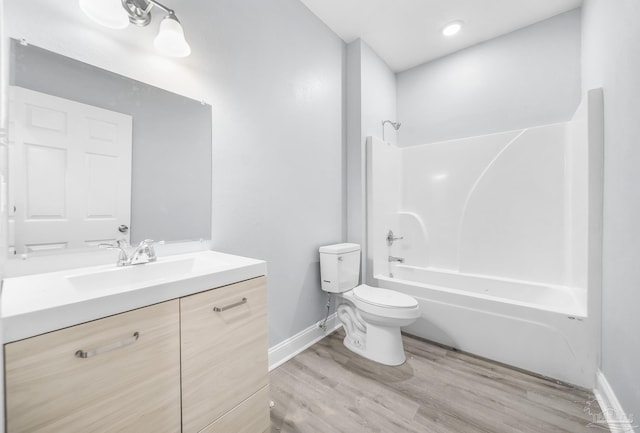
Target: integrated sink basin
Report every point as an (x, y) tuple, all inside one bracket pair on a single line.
[(164, 269), (40, 303)]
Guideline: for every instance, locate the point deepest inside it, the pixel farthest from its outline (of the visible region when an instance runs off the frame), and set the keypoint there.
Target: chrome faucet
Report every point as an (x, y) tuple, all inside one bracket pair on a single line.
[(143, 253), (396, 259)]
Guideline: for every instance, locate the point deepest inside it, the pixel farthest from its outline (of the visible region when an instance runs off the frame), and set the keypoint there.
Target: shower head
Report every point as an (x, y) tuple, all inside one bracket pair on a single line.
[(396, 125)]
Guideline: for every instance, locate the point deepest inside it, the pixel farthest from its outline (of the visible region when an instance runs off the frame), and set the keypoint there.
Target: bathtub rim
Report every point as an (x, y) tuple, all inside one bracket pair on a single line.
[(579, 312)]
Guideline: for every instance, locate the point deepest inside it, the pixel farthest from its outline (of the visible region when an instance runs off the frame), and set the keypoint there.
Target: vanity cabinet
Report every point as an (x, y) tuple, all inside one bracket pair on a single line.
[(224, 357), (117, 374), (196, 364), (248, 417)]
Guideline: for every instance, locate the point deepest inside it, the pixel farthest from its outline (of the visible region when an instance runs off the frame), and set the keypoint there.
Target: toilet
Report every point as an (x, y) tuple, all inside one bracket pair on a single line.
[(371, 316)]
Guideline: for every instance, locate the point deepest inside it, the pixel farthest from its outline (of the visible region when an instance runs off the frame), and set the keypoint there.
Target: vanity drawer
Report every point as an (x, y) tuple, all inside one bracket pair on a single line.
[(250, 416), (117, 374), (224, 350)]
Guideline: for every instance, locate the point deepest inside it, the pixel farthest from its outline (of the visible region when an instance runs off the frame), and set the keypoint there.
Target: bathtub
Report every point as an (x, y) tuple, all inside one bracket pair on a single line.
[(540, 328)]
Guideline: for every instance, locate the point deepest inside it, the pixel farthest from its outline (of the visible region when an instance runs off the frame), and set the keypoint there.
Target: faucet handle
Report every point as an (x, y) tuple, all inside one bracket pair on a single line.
[(122, 256), (151, 252), (114, 246), (391, 238)]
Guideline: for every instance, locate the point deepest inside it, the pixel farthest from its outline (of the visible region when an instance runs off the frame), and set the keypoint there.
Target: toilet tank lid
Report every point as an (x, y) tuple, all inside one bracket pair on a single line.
[(339, 248)]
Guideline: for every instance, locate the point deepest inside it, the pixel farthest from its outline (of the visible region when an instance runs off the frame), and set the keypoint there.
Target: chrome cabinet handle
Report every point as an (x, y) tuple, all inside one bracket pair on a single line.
[(117, 345), (230, 306)]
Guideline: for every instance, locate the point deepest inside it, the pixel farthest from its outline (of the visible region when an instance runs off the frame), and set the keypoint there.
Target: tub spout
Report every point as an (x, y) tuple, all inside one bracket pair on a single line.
[(396, 259)]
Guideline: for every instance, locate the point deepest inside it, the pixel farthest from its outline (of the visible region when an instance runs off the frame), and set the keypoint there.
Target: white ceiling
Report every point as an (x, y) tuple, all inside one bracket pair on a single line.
[(406, 33)]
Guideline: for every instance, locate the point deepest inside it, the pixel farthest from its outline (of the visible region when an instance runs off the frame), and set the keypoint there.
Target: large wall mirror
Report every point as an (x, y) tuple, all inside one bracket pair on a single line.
[(95, 157)]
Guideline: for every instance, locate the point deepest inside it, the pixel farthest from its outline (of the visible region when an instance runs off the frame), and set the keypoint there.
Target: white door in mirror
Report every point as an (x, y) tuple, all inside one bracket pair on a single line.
[(70, 173)]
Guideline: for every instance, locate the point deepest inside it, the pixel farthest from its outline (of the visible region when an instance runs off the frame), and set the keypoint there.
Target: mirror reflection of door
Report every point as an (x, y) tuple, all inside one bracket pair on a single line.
[(69, 173)]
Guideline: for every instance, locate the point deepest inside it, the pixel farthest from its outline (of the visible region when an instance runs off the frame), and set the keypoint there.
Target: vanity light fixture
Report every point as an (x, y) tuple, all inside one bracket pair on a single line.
[(106, 13), (452, 28), (117, 14)]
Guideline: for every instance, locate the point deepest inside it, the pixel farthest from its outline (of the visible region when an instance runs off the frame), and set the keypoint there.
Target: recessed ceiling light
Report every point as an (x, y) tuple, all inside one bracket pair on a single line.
[(452, 28)]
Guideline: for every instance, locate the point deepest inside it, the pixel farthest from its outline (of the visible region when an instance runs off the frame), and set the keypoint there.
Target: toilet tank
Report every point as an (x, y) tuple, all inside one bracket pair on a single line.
[(339, 267)]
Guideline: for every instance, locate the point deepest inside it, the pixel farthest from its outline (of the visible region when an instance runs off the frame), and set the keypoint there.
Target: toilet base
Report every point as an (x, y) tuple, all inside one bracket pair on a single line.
[(373, 331), (382, 344)]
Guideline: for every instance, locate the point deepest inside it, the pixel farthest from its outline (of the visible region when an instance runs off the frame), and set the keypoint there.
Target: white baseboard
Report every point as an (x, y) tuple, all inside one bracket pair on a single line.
[(612, 413), (284, 351)]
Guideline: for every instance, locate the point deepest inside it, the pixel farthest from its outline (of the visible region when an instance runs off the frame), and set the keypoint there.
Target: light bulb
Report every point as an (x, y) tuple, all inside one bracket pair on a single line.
[(108, 13), (170, 40), (452, 28)]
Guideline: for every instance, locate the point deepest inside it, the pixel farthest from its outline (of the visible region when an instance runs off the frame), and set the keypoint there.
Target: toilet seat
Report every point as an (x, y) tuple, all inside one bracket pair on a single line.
[(383, 298)]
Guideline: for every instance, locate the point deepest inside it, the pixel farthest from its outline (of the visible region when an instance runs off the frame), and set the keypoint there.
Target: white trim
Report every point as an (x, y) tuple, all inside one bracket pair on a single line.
[(284, 351), (617, 420)]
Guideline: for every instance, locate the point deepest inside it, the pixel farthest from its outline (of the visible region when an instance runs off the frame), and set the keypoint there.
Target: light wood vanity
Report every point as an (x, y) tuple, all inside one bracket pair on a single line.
[(193, 364)]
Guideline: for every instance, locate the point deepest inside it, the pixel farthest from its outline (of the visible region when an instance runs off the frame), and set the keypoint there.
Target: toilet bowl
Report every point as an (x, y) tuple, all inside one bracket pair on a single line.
[(371, 316)]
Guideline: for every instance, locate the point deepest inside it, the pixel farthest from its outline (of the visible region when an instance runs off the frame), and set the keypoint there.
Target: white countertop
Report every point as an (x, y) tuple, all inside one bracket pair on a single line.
[(35, 304)]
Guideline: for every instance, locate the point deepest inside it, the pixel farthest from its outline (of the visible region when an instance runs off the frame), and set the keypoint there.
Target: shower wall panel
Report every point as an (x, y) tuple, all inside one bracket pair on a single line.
[(491, 205), (507, 205)]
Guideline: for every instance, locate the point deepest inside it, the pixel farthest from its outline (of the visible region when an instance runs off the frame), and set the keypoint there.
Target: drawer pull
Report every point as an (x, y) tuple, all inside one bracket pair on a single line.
[(113, 346), (230, 306)]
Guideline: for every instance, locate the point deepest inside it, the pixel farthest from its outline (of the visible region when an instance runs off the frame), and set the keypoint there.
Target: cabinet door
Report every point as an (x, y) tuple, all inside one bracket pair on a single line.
[(224, 350), (250, 416), (117, 374)]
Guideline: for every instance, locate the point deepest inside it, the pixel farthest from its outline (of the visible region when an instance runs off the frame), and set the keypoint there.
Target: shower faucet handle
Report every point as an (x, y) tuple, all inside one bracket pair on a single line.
[(391, 238)]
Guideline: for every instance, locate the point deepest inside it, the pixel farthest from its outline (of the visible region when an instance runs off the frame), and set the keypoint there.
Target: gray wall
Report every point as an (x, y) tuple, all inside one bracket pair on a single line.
[(528, 77), (171, 159), (611, 38), (355, 192), (277, 146)]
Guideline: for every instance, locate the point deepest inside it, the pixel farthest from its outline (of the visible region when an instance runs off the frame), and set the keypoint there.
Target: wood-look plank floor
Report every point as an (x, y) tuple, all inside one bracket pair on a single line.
[(329, 389)]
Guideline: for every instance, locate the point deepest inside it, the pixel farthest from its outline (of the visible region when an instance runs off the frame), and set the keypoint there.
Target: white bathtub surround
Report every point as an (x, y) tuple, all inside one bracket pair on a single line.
[(501, 241), (490, 205), (519, 333)]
